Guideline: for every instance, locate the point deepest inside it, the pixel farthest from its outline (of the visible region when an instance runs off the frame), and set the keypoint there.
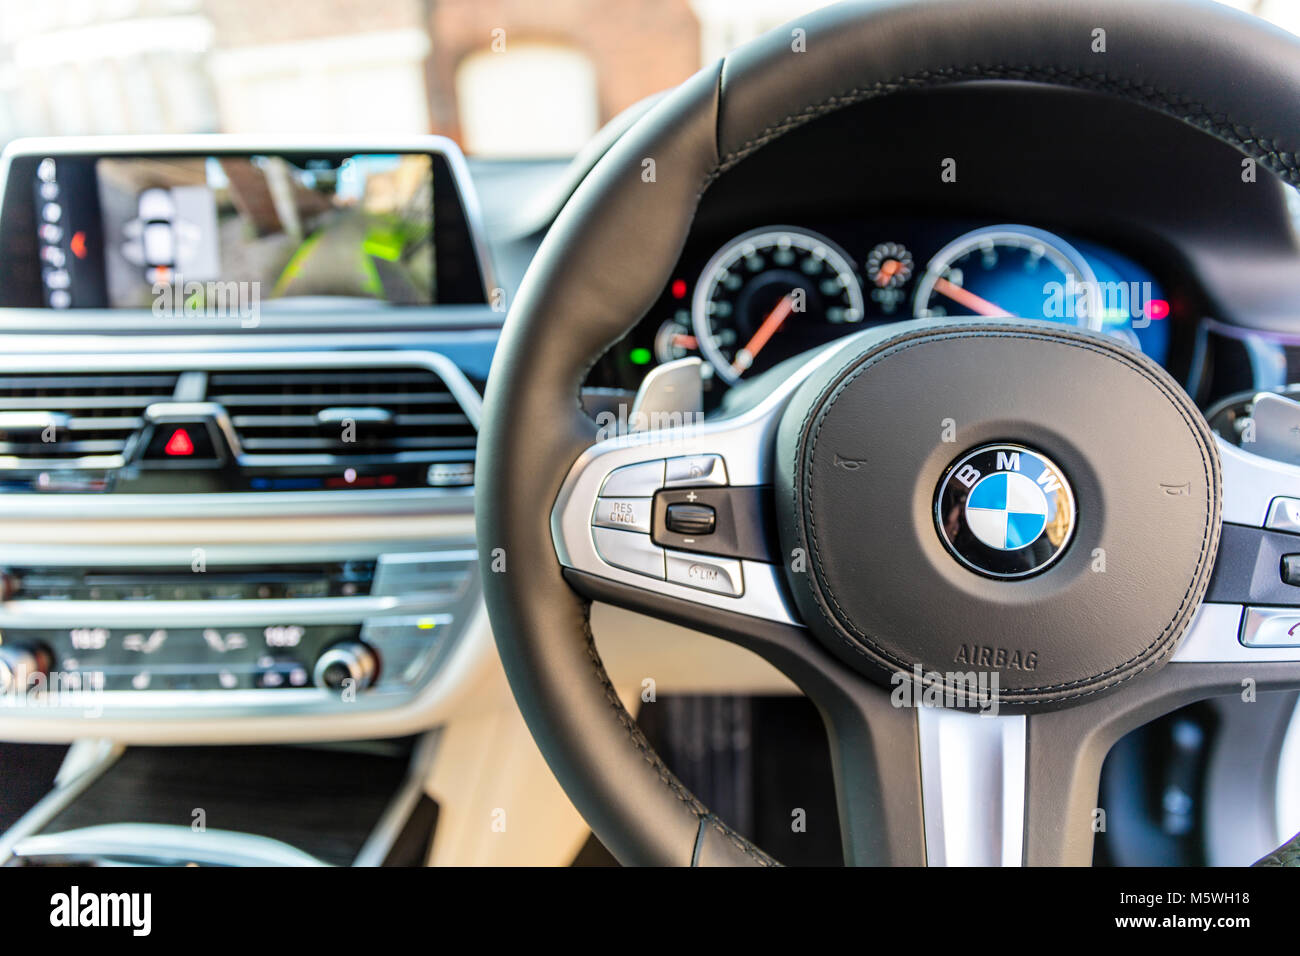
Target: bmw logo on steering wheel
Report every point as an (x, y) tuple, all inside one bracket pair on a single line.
[(1005, 510)]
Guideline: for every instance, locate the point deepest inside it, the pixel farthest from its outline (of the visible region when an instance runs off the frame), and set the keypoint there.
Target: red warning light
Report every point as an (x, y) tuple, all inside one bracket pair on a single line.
[(679, 288), (179, 444), (78, 244), (1157, 309)]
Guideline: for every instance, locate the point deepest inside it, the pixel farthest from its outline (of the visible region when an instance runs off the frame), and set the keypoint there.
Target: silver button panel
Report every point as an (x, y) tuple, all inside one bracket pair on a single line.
[(1283, 515), (621, 524), (634, 481), (629, 550), (629, 514), (690, 470), (720, 575), (1271, 627)]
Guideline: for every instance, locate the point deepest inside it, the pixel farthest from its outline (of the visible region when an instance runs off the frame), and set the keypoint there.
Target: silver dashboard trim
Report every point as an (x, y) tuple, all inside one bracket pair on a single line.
[(158, 842)]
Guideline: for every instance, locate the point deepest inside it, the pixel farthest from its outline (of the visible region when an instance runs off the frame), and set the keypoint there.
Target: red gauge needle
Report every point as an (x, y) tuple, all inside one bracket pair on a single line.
[(745, 357), (969, 299), (684, 340), (887, 271)]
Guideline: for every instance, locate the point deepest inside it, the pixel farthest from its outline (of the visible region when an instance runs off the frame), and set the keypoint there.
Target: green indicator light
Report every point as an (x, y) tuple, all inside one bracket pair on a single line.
[(640, 356)]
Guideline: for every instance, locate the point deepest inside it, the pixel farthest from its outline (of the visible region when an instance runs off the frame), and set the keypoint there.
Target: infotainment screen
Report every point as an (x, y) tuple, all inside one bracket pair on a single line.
[(169, 230), (357, 226)]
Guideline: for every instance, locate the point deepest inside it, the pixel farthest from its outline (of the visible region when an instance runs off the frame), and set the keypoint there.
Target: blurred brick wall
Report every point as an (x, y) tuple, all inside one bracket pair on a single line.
[(257, 22), (637, 47)]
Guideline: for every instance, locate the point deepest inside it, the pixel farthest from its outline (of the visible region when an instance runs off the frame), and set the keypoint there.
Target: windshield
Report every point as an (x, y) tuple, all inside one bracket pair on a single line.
[(505, 79)]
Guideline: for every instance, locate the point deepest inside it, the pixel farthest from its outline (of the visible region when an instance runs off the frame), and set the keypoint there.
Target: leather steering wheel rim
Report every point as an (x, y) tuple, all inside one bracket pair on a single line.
[(607, 257)]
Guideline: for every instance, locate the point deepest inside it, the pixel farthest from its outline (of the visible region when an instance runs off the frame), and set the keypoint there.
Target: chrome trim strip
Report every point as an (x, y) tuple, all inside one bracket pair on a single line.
[(200, 144), (280, 504), (217, 613), (972, 787), (145, 843)]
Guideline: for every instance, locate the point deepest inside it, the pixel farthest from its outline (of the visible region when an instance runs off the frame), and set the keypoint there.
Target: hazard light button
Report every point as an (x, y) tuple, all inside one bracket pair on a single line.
[(181, 444)]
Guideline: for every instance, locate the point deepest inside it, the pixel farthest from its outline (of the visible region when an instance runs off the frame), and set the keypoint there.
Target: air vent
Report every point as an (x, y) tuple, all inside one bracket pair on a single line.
[(396, 413), (75, 419)]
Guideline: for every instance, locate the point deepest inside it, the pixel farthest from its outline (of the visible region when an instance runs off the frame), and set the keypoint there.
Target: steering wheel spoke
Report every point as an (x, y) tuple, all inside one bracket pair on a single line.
[(685, 511), (1251, 614)]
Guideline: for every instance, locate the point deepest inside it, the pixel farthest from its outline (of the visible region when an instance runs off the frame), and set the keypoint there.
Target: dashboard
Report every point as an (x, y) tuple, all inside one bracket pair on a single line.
[(228, 521)]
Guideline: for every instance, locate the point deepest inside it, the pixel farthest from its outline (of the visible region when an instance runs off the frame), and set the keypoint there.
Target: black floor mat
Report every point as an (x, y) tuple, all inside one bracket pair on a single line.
[(762, 764), (325, 801), (26, 774)]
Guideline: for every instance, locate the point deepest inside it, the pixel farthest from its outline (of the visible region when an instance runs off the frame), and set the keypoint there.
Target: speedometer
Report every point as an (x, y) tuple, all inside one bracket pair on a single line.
[(770, 294), (1004, 271)]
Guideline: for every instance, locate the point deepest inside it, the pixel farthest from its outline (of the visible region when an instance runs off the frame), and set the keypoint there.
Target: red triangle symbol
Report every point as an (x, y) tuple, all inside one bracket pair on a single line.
[(179, 443)]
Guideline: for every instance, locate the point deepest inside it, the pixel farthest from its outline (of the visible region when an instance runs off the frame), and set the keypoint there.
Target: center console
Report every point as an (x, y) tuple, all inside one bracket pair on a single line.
[(239, 396)]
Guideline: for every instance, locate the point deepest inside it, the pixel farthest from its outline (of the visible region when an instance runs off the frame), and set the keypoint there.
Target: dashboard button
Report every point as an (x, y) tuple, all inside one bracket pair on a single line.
[(720, 575), (681, 518), (1284, 515), (695, 470), (1271, 627), (630, 514), (630, 551), (181, 444), (634, 481)]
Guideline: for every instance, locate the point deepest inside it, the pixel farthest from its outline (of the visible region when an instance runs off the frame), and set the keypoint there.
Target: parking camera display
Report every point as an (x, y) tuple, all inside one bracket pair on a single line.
[(356, 226)]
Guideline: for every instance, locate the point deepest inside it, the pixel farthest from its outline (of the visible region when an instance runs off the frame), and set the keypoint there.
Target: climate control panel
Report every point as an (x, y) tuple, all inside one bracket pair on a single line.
[(290, 635)]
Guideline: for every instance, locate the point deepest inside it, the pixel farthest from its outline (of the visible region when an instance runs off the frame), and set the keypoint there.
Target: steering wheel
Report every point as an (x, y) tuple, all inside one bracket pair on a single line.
[(991, 527)]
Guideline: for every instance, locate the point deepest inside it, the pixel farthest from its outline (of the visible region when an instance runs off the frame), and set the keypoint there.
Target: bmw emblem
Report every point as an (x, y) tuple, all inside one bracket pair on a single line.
[(1005, 511)]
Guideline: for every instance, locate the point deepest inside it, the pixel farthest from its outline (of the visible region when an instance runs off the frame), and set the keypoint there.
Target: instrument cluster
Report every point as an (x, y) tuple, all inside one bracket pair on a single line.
[(746, 302)]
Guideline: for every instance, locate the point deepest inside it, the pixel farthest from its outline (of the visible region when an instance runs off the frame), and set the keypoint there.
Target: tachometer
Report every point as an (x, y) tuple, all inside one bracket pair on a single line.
[(770, 294), (1004, 271)]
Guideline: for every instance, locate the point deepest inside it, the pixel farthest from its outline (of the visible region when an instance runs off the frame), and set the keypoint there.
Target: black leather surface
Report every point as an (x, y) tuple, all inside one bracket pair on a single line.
[(885, 594), (611, 250), (1288, 854)]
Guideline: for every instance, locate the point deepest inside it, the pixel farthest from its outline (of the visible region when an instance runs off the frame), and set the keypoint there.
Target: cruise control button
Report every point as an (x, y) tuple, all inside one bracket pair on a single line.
[(631, 514), (721, 575), (634, 481), (1271, 627), (695, 470), (630, 551), (690, 519), (1284, 515)]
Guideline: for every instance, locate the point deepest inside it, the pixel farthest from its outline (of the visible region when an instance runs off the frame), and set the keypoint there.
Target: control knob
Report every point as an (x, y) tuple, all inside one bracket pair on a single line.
[(18, 664), (348, 660)]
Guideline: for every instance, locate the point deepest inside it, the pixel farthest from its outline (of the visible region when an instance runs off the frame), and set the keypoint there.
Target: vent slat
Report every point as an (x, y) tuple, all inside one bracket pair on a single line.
[(402, 412), (275, 413), (233, 400), (98, 413), (263, 446), (62, 449), (59, 403)]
